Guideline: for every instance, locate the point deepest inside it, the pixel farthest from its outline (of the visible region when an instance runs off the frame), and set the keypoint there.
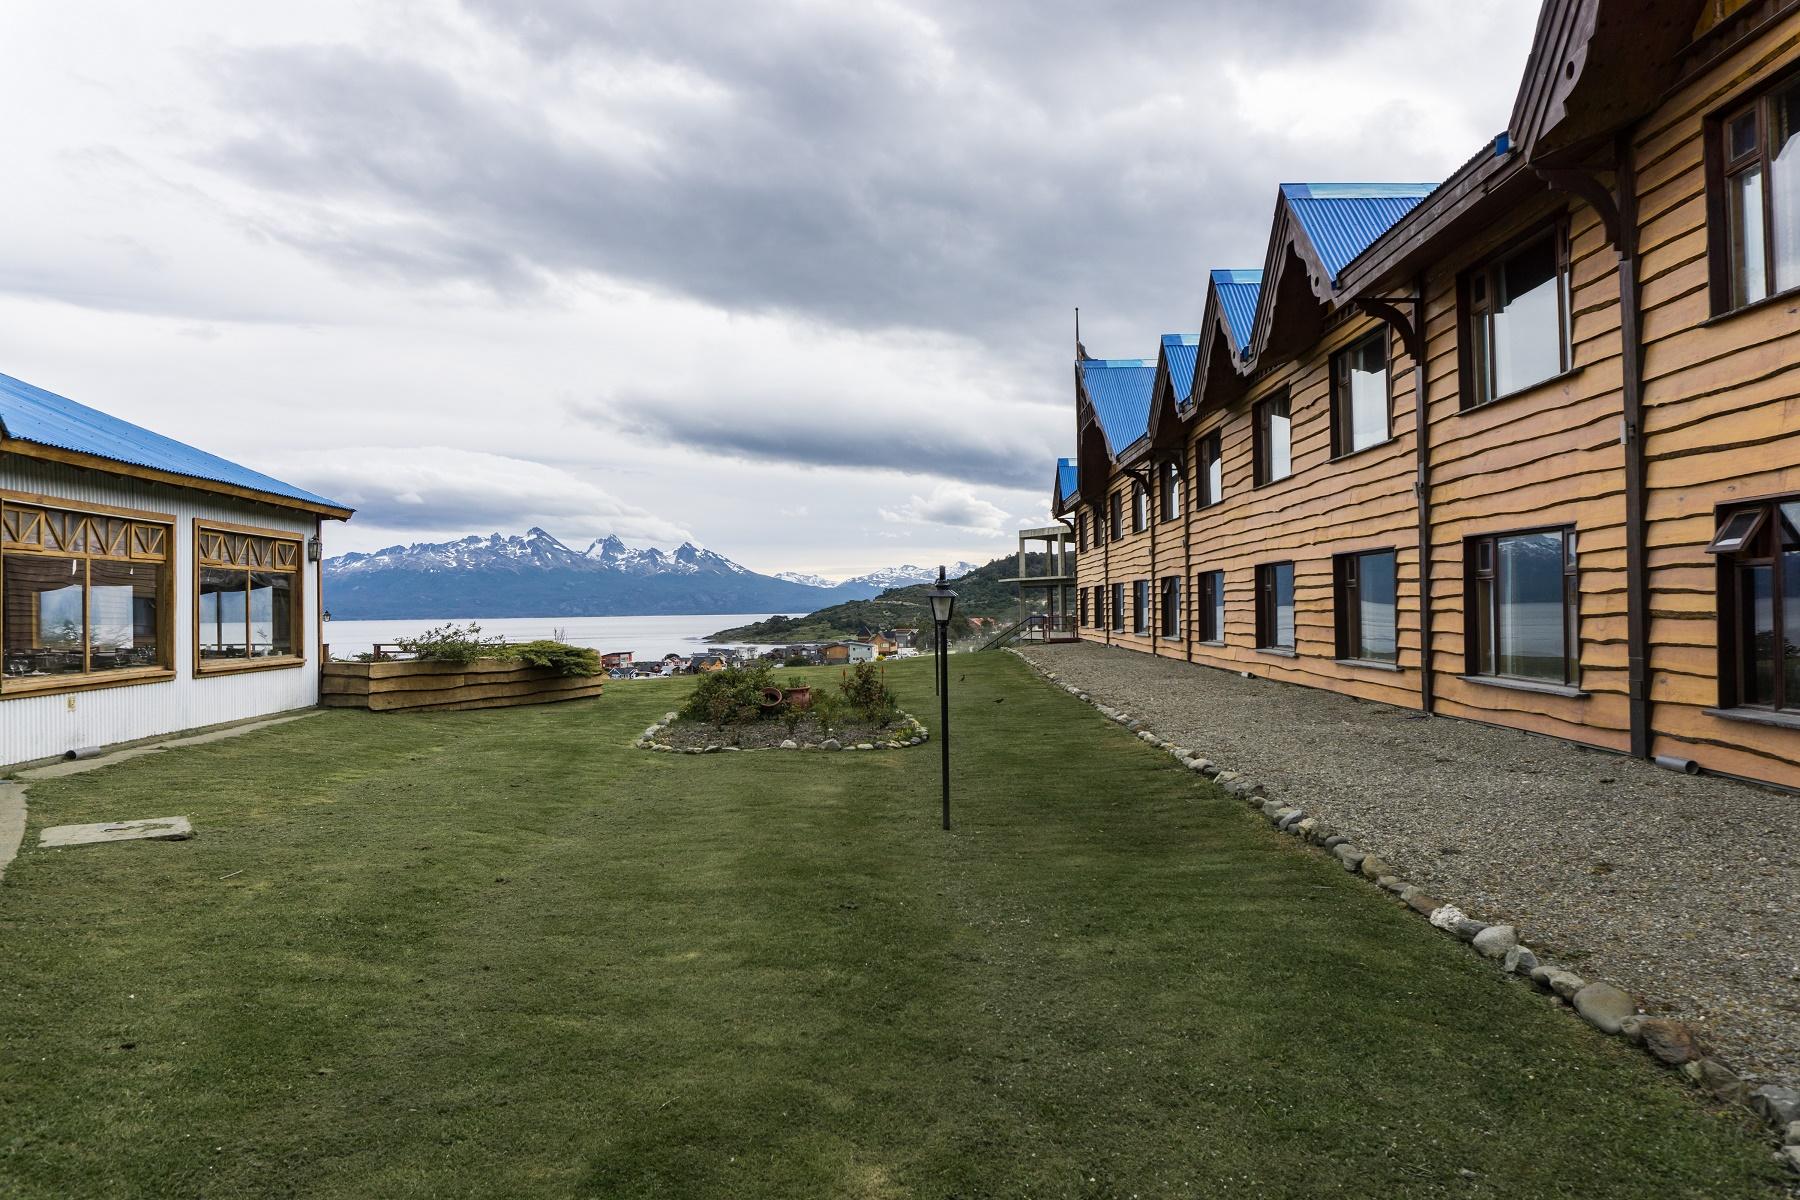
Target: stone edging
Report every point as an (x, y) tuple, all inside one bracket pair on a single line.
[(916, 735), (1610, 1009)]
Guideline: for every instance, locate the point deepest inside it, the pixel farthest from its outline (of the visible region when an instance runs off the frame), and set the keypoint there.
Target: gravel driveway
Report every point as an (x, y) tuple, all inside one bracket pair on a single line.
[(1684, 890)]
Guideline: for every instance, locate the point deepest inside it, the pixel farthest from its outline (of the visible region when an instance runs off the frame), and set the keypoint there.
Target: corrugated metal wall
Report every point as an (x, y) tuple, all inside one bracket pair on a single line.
[(41, 726)]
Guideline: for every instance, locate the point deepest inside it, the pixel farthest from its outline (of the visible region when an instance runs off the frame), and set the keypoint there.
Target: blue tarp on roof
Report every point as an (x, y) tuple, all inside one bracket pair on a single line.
[(1179, 350), (31, 414), (1066, 478), (1238, 292), (1342, 219), (1119, 389)]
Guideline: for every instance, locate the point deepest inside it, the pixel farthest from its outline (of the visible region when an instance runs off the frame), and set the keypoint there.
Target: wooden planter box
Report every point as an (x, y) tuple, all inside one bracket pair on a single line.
[(427, 686)]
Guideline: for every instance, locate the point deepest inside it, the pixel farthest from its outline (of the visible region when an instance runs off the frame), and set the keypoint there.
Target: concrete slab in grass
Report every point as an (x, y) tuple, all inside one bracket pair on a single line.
[(161, 829)]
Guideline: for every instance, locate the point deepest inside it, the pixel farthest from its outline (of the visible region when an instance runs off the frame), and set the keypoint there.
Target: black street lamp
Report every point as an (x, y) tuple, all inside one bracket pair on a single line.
[(943, 604)]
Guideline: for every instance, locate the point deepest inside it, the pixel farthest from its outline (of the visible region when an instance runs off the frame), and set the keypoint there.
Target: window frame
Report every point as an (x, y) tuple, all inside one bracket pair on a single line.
[(1140, 506), (1209, 448), (1343, 408), (1169, 607), (1262, 441), (1142, 619), (87, 679), (1469, 310), (1209, 591), (1721, 168), (1266, 605), (1346, 576), (1118, 607), (1082, 599), (1170, 474), (1481, 633), (1080, 531), (209, 668), (1764, 547)]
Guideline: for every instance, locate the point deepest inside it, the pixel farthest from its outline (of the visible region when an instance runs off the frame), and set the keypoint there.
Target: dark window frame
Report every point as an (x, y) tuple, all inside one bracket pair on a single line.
[(1209, 449), (1143, 620), (1209, 589), (1170, 474), (1262, 440), (1118, 607), (1116, 515), (1346, 575), (1475, 289), (1169, 607), (1343, 410), (1267, 603), (1761, 547), (1082, 599), (1140, 506), (1481, 636), (1080, 532), (1721, 168)]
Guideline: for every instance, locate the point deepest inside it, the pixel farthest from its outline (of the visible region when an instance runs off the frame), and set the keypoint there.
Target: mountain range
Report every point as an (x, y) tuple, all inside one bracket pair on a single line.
[(535, 575)]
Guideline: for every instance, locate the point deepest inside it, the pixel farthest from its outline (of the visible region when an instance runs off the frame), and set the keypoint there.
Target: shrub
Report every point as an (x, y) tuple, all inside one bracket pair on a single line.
[(730, 697), (866, 693), (453, 644), (561, 657)]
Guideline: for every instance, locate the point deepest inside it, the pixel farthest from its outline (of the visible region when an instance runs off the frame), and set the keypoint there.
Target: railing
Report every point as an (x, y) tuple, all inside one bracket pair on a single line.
[(1050, 629)]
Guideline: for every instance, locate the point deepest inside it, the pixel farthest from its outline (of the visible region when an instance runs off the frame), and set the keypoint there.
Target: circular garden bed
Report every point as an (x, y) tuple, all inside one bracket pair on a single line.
[(744, 708)]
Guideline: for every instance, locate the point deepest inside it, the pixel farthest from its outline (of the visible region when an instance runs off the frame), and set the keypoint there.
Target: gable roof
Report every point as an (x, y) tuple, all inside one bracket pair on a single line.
[(31, 414), (1342, 219), (1119, 390), (1179, 350), (1067, 480), (1238, 290)]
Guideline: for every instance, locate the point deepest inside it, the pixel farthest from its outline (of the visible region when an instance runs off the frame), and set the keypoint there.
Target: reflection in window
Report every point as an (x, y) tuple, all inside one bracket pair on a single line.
[(1359, 395), (44, 627), (122, 615), (1275, 606), (1759, 604), (1525, 606), (1366, 606), (1516, 328), (91, 611)]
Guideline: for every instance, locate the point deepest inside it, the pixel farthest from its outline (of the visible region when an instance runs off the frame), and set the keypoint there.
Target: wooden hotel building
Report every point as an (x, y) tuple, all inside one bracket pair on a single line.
[(1522, 447)]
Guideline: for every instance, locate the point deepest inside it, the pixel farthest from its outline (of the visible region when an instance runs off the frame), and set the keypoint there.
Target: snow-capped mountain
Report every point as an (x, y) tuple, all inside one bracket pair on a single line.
[(535, 574)]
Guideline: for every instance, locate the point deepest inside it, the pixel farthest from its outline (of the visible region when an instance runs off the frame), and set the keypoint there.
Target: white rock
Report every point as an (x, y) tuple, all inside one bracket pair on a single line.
[(1445, 916)]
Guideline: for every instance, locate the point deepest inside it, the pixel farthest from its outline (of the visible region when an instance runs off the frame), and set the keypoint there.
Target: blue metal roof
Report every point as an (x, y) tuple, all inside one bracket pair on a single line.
[(1238, 292), (30, 414), (1119, 389), (1066, 479), (1342, 219), (1179, 350)]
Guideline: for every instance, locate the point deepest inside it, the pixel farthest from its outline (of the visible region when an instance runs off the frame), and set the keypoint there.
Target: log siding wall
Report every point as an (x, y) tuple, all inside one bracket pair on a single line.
[(1721, 424)]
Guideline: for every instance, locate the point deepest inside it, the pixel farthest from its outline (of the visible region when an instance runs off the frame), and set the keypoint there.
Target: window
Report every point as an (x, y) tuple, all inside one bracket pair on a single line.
[(1140, 607), (1759, 605), (83, 597), (1099, 606), (1524, 607), (1359, 396), (1171, 606), (1118, 527), (1083, 620), (1211, 609), (1274, 440), (1118, 607), (1169, 487), (1209, 475), (1275, 606), (1366, 594), (247, 598), (1755, 158), (1140, 508), (1515, 329), (1081, 532)]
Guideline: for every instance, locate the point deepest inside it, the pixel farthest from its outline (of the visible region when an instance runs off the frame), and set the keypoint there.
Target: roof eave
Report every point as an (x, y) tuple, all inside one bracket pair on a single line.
[(114, 466)]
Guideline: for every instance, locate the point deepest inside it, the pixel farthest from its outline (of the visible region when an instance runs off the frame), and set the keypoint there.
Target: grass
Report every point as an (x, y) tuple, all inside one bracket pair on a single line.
[(502, 954)]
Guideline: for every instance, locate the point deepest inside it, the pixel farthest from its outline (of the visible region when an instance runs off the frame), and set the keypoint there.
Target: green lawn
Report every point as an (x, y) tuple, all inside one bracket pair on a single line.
[(502, 954)]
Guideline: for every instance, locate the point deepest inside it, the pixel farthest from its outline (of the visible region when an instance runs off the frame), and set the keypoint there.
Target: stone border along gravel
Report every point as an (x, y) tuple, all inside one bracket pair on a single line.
[(1610, 1009), (916, 736)]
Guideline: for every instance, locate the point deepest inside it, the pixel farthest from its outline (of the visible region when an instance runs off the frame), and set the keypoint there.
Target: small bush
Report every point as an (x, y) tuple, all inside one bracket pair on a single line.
[(453, 644), (866, 694), (730, 697), (561, 657)]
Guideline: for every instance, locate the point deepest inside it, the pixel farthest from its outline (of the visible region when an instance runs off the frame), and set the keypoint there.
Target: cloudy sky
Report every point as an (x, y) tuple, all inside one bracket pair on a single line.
[(791, 279)]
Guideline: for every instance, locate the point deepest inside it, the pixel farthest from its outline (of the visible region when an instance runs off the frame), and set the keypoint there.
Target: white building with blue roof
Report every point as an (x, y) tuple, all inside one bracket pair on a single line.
[(146, 586)]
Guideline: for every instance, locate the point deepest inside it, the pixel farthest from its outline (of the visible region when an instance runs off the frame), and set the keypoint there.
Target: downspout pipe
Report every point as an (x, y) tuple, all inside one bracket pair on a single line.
[(1637, 573), (1422, 446)]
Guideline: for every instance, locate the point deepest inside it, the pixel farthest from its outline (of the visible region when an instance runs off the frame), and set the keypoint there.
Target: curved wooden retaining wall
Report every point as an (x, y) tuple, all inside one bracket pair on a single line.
[(426, 686)]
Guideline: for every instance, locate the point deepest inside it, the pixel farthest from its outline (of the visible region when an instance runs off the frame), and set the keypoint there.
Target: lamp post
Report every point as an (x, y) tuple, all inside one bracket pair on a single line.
[(943, 604)]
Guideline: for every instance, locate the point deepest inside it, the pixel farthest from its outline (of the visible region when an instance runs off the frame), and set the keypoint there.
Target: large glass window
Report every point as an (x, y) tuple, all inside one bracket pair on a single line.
[(1525, 607), (1274, 440), (82, 595), (1140, 606), (1171, 606), (1209, 478), (1169, 476), (247, 606), (1210, 609), (1758, 149), (1366, 594), (1140, 508), (1516, 324), (1759, 605), (1359, 395), (1275, 606)]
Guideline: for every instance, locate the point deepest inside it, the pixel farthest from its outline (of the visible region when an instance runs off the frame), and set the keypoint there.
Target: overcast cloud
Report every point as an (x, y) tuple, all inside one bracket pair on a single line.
[(792, 279)]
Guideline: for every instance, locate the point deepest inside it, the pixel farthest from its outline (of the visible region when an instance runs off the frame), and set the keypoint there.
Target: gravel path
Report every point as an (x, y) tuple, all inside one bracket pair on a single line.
[(1683, 890)]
